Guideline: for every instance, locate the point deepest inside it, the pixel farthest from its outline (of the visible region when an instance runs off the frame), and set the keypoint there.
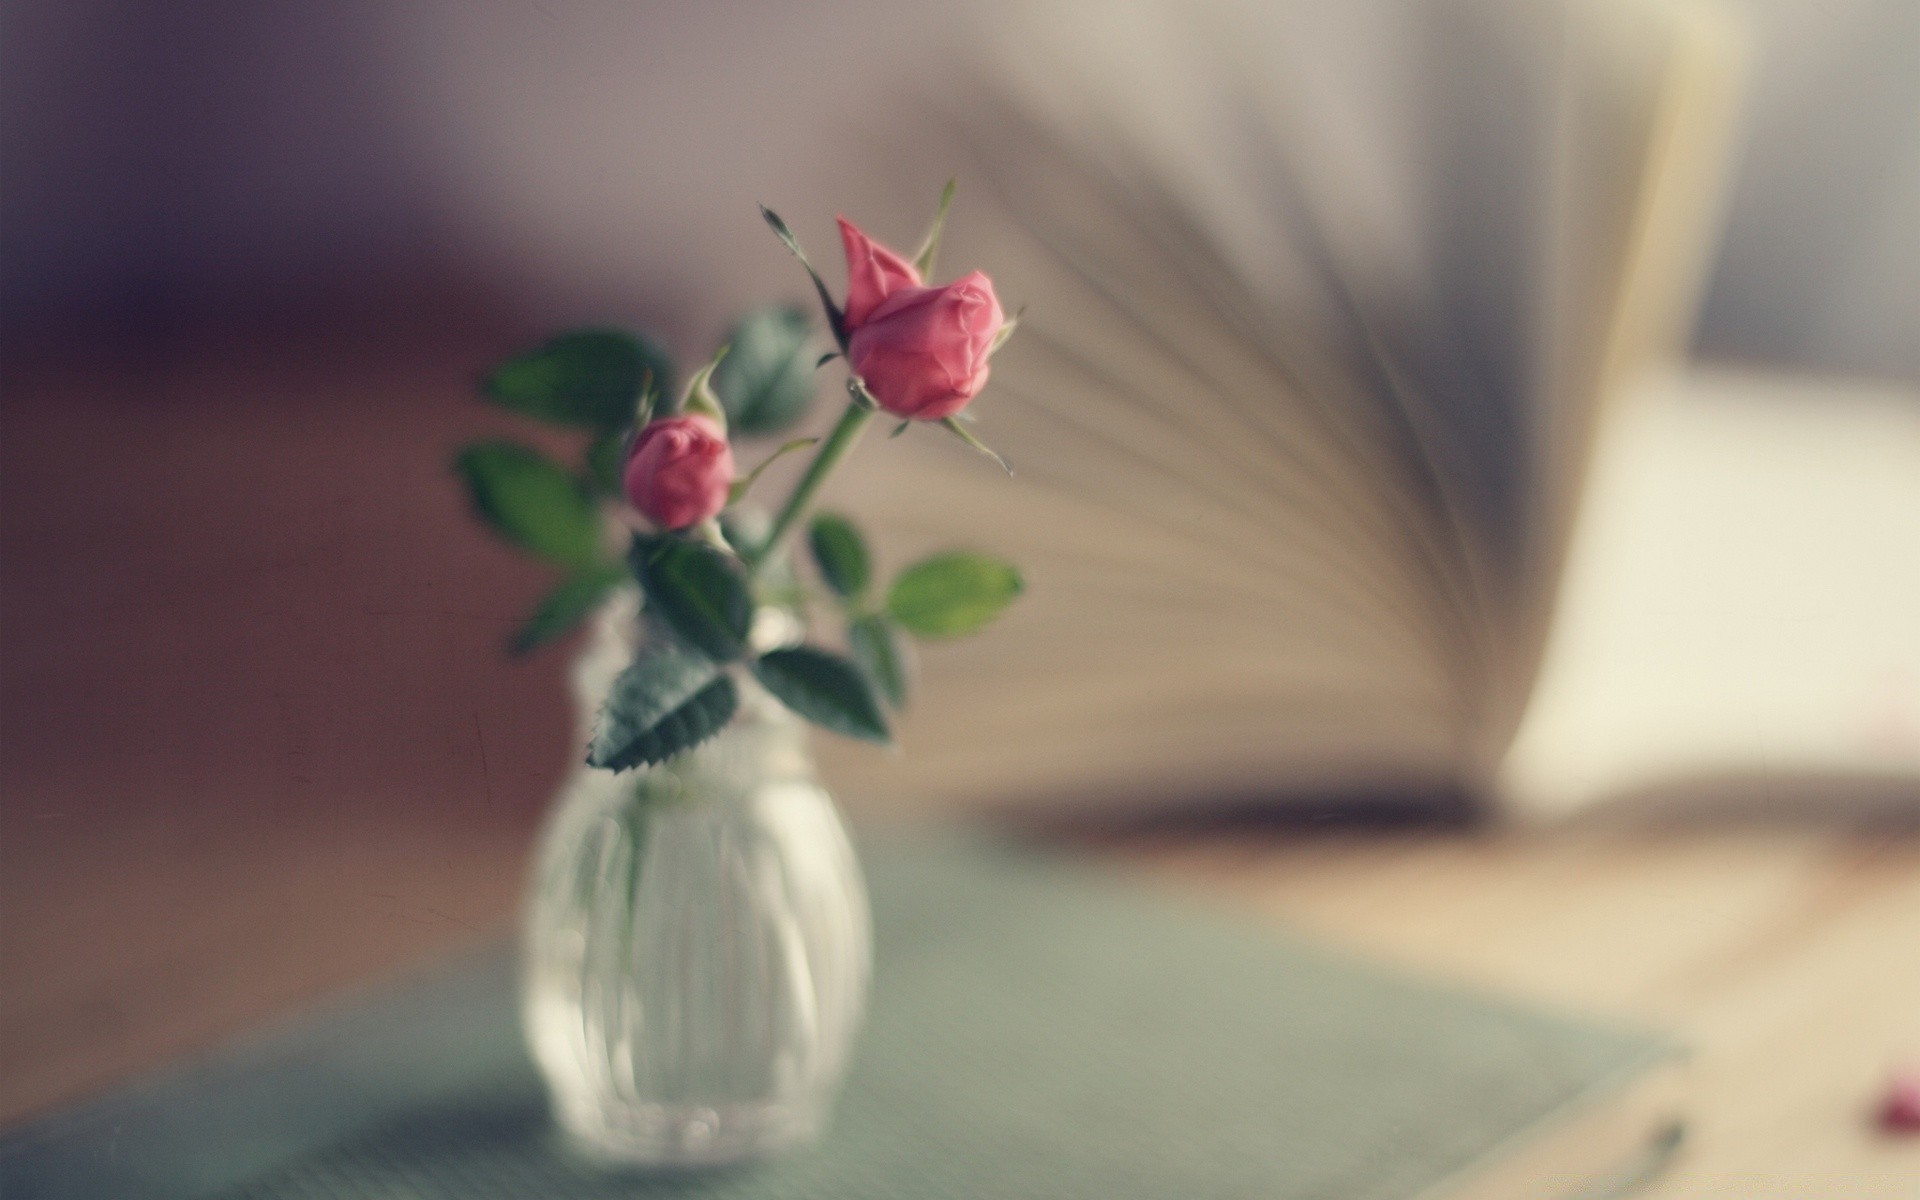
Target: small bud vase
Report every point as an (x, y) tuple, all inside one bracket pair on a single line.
[(696, 941)]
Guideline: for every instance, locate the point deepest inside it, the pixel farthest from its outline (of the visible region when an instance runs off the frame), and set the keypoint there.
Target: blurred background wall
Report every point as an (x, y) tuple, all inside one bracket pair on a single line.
[(163, 165)]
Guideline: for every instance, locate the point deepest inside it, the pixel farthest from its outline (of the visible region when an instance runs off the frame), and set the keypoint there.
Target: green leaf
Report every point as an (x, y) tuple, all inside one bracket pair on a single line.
[(744, 485), (531, 502), (565, 607), (952, 594), (606, 458), (836, 320), (700, 590), (766, 382), (589, 378), (743, 525), (952, 425), (825, 689), (1006, 330), (930, 248), (643, 408), (700, 399), (880, 655), (840, 553), (624, 742)]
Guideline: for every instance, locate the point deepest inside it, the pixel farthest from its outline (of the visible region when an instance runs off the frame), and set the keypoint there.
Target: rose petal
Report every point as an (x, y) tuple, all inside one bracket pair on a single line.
[(679, 471), (873, 274)]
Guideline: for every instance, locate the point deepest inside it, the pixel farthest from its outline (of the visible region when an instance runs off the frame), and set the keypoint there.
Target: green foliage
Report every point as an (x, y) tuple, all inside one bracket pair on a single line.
[(765, 382), (742, 525), (953, 426), (622, 742), (700, 590), (700, 399), (743, 485), (589, 378), (923, 258), (825, 689), (952, 594), (661, 703), (605, 459), (1006, 330), (836, 320), (840, 553), (877, 649), (565, 607), (700, 587), (531, 502)]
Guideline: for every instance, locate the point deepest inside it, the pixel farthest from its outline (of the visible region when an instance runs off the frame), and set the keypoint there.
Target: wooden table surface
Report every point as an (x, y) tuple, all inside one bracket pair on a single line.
[(1788, 958)]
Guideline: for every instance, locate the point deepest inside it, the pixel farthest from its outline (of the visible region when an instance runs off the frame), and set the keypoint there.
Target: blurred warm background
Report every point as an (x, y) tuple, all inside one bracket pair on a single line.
[(172, 169), (257, 738)]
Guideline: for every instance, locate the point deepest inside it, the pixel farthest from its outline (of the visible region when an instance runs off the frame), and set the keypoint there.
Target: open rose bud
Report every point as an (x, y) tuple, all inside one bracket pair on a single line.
[(679, 471), (873, 273), (922, 353)]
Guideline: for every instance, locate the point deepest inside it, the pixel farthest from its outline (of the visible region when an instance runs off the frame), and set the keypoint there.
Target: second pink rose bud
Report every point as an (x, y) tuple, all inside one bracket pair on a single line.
[(679, 471)]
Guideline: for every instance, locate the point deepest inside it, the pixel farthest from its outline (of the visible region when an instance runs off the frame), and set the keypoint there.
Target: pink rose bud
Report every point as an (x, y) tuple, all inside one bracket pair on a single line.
[(923, 351), (679, 471), (1900, 1111), (873, 273)]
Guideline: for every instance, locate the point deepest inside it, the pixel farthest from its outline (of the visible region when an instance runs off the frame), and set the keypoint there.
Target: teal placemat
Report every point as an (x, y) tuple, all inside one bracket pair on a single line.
[(1038, 1030)]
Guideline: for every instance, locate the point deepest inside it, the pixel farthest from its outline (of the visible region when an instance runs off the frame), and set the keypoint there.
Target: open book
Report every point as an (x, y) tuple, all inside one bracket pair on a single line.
[(1319, 347)]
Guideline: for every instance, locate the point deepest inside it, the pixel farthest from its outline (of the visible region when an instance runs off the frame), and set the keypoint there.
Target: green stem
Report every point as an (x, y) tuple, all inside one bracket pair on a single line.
[(831, 451)]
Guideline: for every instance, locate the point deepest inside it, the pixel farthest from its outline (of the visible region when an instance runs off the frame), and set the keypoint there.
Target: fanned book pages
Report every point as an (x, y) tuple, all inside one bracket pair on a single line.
[(1326, 306), (1740, 621), (1037, 1032)]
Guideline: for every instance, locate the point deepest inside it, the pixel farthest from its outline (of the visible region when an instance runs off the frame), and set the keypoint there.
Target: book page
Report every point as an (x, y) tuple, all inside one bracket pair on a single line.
[(1649, 116), (1740, 620)]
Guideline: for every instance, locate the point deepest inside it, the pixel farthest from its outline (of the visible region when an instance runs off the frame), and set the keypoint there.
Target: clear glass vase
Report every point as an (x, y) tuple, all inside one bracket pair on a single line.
[(697, 942)]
